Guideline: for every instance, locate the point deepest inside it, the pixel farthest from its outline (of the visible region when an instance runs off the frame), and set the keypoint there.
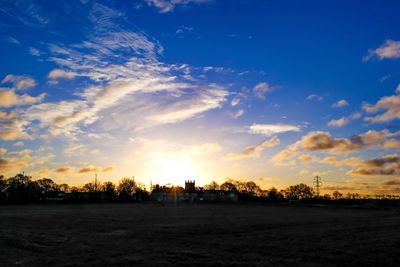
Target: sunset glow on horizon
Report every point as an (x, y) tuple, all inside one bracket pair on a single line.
[(205, 90)]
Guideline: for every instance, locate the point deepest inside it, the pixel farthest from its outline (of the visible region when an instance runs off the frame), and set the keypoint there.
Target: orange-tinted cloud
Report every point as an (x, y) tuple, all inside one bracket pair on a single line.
[(63, 169), (254, 151), (11, 126), (9, 98), (323, 142), (388, 171), (385, 165), (390, 105), (304, 157), (108, 169), (88, 169)]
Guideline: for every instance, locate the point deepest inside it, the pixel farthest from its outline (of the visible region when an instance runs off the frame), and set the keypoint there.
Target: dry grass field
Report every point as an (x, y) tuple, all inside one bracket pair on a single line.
[(218, 235)]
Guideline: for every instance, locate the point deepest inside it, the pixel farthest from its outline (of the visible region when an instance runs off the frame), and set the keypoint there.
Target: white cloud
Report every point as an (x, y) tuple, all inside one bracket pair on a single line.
[(261, 89), (183, 29), (238, 114), (355, 115), (59, 73), (340, 103), (34, 52), (344, 120), (388, 50), (19, 81), (398, 89), (314, 97), (235, 101), (206, 100), (339, 122), (270, 129)]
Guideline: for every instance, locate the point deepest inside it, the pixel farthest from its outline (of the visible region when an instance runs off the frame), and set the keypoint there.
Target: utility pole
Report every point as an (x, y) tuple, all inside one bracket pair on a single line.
[(317, 183), (95, 181)]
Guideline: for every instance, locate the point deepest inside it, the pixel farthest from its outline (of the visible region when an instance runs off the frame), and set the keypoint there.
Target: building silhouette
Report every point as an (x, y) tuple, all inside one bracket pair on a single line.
[(190, 186), (191, 194)]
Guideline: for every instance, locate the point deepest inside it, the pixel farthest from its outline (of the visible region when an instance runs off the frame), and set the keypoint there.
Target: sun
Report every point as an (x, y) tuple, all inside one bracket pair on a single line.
[(173, 169)]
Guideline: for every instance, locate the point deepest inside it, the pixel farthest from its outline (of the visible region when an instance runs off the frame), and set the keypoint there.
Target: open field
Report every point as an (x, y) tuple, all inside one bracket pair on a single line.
[(154, 234)]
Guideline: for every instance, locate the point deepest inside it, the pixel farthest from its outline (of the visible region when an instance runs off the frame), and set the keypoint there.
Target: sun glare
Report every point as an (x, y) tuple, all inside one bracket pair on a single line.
[(173, 170)]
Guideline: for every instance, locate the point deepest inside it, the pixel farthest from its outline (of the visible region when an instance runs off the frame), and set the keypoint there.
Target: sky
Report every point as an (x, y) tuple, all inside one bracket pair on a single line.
[(166, 90)]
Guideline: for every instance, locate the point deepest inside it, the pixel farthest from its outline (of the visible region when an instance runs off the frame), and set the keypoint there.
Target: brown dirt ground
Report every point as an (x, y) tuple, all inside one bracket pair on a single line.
[(200, 234)]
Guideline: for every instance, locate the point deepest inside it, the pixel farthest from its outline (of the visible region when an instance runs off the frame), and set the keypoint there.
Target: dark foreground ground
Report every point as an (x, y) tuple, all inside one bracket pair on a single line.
[(198, 235)]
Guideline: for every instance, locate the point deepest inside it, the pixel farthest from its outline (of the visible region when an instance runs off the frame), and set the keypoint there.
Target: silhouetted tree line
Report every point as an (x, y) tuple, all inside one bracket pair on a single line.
[(250, 191), (22, 189)]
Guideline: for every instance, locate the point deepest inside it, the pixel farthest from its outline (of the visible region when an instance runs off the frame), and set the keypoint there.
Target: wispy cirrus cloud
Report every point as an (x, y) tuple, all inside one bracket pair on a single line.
[(34, 52), (9, 39), (184, 29), (165, 6), (238, 114), (261, 89), (123, 68), (271, 129), (25, 12)]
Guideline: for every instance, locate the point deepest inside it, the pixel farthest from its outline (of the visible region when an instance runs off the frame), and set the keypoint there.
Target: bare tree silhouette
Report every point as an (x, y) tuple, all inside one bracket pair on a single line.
[(213, 185), (299, 192), (228, 186), (126, 189), (337, 195), (109, 189)]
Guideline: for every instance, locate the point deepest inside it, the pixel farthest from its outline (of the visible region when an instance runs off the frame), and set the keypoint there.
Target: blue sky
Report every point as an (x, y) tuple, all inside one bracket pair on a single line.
[(167, 90)]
